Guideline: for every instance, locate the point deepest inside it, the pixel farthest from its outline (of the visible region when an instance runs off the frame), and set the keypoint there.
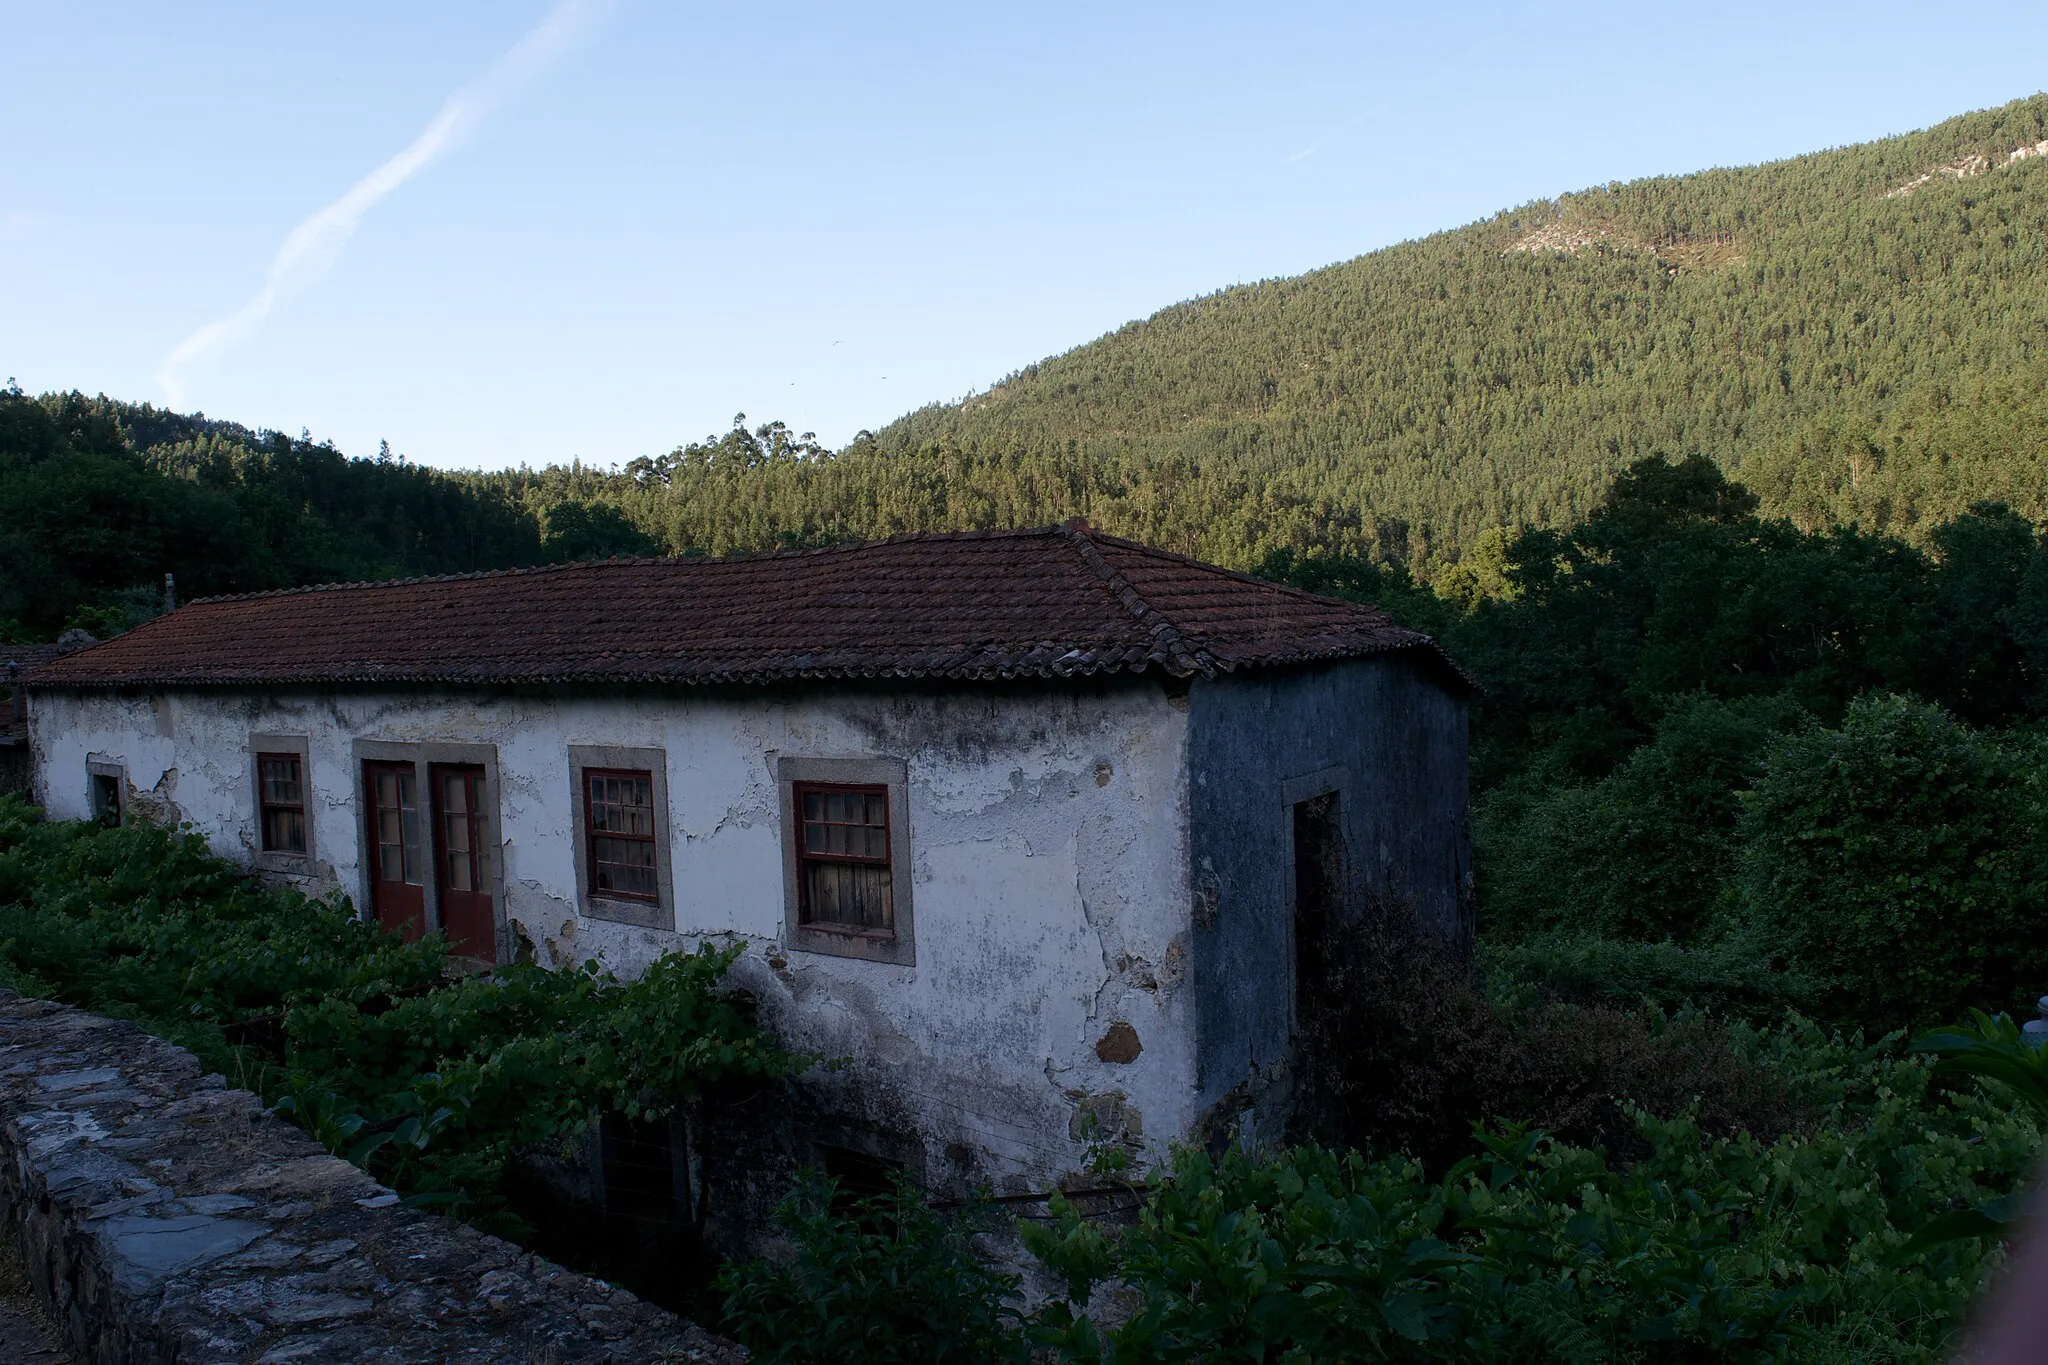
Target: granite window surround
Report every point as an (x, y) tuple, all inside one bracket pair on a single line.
[(298, 864), (659, 913), (897, 947)]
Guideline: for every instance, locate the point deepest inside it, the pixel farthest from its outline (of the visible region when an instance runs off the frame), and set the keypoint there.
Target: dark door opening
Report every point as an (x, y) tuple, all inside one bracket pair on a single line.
[(106, 799), (398, 894), (459, 832), (1319, 876)]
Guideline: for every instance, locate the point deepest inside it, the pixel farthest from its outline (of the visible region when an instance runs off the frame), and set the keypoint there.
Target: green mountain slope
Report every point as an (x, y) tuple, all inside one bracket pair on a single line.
[(1854, 352)]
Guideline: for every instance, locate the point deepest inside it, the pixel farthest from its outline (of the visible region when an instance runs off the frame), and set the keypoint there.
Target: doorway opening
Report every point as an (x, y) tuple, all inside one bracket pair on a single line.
[(1319, 884)]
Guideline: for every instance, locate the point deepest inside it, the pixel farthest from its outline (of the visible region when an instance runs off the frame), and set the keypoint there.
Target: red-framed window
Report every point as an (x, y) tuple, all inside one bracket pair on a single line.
[(281, 794), (619, 835), (844, 876)]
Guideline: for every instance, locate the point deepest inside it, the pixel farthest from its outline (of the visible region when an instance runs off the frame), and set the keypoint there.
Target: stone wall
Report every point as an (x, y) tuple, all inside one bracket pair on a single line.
[(164, 1217)]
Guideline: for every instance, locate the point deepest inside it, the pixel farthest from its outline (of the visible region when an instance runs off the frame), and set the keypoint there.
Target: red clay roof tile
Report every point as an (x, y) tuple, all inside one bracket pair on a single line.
[(1063, 601)]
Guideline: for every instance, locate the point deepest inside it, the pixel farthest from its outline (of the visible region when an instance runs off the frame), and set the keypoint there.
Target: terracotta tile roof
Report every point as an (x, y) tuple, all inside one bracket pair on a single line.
[(1063, 601)]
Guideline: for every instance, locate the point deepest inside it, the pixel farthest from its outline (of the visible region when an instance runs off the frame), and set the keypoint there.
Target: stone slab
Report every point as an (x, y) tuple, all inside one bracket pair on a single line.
[(162, 1217)]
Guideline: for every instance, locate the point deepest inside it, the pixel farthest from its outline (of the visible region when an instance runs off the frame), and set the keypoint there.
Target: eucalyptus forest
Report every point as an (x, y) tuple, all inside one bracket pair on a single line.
[(1730, 490)]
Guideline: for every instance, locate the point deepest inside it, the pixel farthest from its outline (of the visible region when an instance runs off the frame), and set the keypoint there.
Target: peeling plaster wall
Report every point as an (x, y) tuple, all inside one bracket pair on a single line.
[(1257, 744), (1050, 887)]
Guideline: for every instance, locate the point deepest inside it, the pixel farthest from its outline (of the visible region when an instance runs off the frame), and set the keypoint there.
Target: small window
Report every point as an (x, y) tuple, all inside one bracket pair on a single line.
[(619, 830), (281, 793), (844, 877), (106, 798)]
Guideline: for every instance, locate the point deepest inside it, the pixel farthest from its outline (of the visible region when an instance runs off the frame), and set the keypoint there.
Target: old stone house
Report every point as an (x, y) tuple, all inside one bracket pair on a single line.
[(1030, 826)]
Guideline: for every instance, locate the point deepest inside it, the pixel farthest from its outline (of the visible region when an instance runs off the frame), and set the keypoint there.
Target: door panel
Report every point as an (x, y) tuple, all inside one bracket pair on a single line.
[(460, 831), (398, 896)]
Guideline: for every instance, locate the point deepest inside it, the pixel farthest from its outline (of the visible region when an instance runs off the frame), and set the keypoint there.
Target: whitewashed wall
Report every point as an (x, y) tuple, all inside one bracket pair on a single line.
[(1049, 846)]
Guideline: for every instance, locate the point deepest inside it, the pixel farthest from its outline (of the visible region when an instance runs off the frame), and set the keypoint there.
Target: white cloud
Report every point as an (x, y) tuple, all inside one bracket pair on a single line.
[(311, 248)]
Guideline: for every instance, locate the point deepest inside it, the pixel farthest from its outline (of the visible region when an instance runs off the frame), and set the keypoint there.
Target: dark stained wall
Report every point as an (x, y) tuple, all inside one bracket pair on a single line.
[(1256, 745)]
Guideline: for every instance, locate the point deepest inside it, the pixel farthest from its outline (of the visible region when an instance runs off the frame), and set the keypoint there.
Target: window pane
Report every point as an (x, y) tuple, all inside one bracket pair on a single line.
[(398, 826), (408, 805), (284, 831), (845, 824), (854, 895), (461, 876), (624, 865), (281, 780)]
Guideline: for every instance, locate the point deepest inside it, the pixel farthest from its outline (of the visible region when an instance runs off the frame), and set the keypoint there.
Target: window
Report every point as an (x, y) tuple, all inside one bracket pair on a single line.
[(618, 816), (847, 857), (843, 858), (620, 799), (281, 766), (281, 795)]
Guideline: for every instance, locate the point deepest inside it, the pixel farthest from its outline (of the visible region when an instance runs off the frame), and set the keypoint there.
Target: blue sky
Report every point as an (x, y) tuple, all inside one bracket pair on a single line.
[(827, 213)]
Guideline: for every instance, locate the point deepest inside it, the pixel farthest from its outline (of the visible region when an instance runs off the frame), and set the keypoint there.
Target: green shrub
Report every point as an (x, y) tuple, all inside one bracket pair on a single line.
[(1646, 852), (877, 1281), (1403, 1048), (428, 1079), (1702, 1249), (1734, 976), (1901, 862)]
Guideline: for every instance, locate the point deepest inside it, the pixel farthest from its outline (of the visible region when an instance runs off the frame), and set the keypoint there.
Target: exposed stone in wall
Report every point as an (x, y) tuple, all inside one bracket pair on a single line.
[(162, 1217)]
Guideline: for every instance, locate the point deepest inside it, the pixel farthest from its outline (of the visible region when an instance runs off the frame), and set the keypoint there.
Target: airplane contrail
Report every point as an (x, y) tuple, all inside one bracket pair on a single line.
[(310, 249)]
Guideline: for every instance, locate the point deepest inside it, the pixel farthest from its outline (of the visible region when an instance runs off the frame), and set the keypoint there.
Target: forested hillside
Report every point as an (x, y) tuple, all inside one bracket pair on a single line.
[(1857, 333), (99, 500)]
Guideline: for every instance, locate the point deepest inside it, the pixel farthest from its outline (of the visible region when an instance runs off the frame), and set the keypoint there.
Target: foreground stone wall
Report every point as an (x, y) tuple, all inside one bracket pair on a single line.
[(164, 1217)]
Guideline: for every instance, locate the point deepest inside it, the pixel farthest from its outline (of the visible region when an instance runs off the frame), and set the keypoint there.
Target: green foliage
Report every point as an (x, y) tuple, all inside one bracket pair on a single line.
[(1992, 1048), (1674, 589), (581, 530), (99, 500), (1867, 360), (146, 924), (1901, 862), (879, 1281), (1646, 852), (1726, 977), (1401, 1048), (1703, 1249), (430, 1080)]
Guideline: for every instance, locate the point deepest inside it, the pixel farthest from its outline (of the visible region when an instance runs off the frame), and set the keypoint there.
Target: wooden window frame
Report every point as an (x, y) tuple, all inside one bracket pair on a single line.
[(659, 911), (897, 947), (804, 857), (590, 836), (264, 805), (262, 746)]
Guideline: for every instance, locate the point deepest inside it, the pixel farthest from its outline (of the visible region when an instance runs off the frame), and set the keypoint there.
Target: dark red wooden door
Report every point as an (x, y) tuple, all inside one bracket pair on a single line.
[(459, 832), (398, 896)]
